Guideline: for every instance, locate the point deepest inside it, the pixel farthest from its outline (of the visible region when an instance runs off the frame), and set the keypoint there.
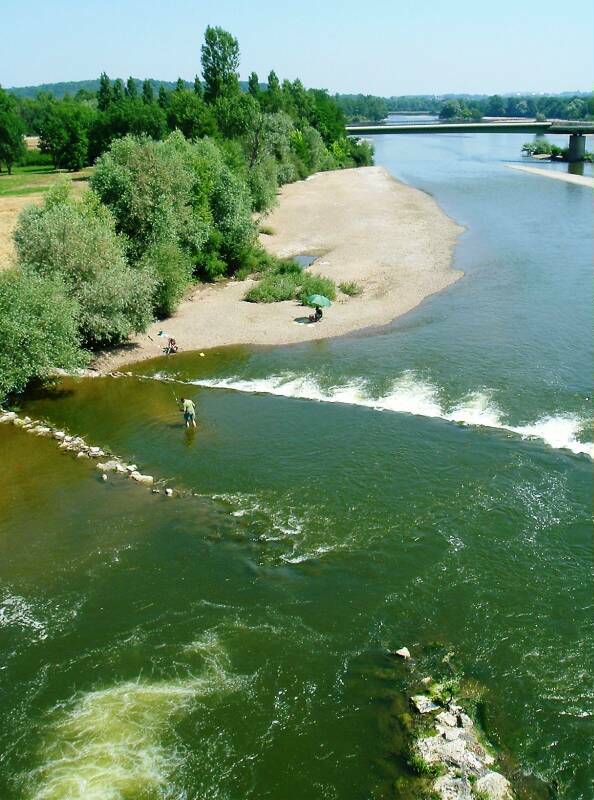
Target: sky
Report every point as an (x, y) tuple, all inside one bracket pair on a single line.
[(383, 47)]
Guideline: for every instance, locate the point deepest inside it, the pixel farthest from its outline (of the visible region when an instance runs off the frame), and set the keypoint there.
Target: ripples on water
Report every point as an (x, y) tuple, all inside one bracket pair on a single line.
[(231, 643)]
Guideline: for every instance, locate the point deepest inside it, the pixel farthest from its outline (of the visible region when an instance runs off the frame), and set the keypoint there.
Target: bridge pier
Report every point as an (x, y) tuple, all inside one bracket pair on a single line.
[(577, 147)]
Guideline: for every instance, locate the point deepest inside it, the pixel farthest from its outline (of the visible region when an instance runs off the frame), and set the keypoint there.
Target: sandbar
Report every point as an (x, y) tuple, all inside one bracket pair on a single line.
[(364, 226), (579, 180)]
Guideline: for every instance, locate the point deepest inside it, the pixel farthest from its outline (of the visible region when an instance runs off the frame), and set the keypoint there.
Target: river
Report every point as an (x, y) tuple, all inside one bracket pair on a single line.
[(426, 484)]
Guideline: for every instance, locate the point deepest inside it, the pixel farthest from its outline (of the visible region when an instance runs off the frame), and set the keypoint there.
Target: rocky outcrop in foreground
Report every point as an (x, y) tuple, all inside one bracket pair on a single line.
[(453, 748)]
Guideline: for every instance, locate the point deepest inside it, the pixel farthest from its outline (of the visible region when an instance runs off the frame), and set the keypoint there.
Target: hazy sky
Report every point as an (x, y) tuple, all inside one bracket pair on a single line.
[(384, 47)]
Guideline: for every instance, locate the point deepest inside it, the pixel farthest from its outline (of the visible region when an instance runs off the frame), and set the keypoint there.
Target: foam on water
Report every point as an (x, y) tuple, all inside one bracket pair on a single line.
[(108, 744), (413, 396), (16, 611)]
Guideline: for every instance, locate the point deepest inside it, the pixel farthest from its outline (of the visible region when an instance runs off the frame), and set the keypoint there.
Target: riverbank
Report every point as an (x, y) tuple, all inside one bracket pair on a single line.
[(364, 226), (579, 180)]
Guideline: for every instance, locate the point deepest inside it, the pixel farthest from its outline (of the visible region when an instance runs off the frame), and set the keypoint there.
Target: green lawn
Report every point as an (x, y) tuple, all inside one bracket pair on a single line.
[(32, 180)]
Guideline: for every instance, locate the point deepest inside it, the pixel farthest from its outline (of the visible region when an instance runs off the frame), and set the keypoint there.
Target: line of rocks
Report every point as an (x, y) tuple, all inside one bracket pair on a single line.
[(77, 446)]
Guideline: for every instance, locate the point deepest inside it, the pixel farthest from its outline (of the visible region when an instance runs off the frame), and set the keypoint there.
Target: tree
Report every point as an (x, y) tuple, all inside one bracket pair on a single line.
[(189, 114), (11, 131), (320, 110), (76, 243), (118, 91), (105, 93), (65, 134), (576, 109), (180, 86), (273, 99), (38, 330), (451, 109), (220, 63), (131, 88), (235, 115), (268, 135), (131, 117), (148, 96), (150, 189), (254, 85), (198, 88), (163, 97), (496, 106)]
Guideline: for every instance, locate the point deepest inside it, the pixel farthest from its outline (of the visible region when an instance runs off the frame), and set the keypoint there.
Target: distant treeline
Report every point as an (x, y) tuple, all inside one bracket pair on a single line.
[(87, 89), (178, 175), (369, 108)]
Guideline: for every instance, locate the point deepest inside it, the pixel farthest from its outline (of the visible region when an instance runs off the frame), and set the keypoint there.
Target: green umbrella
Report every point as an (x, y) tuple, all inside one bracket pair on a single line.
[(318, 300)]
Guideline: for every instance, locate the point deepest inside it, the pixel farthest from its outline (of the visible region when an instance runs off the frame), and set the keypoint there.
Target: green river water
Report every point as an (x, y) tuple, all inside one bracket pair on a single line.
[(427, 484)]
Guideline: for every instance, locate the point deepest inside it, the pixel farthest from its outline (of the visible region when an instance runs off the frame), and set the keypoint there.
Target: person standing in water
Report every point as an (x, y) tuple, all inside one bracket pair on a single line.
[(189, 410)]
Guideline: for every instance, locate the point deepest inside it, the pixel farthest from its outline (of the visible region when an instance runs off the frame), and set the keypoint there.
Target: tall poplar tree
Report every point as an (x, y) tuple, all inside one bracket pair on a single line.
[(148, 95), (105, 93), (220, 63), (131, 89), (254, 84), (163, 99), (118, 91)]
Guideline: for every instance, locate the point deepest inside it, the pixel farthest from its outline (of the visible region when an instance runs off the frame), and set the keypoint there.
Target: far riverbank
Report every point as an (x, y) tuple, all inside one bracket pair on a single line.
[(364, 226)]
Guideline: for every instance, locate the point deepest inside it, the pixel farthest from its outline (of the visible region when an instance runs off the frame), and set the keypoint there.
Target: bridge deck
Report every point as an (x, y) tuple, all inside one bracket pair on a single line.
[(474, 127)]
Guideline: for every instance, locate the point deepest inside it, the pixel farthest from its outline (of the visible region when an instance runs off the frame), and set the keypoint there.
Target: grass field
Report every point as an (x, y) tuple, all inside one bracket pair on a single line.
[(35, 180)]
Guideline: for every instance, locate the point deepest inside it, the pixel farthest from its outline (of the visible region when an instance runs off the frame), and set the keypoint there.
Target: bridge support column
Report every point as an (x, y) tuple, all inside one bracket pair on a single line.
[(577, 147)]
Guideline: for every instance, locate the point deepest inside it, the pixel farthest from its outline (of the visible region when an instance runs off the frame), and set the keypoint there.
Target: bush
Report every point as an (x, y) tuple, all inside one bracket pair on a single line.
[(287, 266), (35, 158), (172, 271), (351, 288), (285, 280), (273, 289), (539, 147), (38, 330), (316, 284), (76, 243)]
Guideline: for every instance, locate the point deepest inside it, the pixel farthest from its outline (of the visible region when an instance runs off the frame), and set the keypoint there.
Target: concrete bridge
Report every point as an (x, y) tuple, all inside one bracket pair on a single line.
[(577, 131)]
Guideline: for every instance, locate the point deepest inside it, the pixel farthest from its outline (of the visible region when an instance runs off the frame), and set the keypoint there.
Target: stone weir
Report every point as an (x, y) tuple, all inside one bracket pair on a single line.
[(105, 462)]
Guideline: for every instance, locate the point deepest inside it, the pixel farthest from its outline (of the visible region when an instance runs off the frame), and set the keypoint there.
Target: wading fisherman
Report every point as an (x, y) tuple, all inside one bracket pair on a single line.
[(189, 411)]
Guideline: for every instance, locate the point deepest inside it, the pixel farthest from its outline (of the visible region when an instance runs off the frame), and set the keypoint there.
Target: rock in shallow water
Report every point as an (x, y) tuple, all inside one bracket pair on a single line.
[(446, 718), (449, 787), (404, 652), (494, 786), (423, 704), (111, 466), (148, 479)]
